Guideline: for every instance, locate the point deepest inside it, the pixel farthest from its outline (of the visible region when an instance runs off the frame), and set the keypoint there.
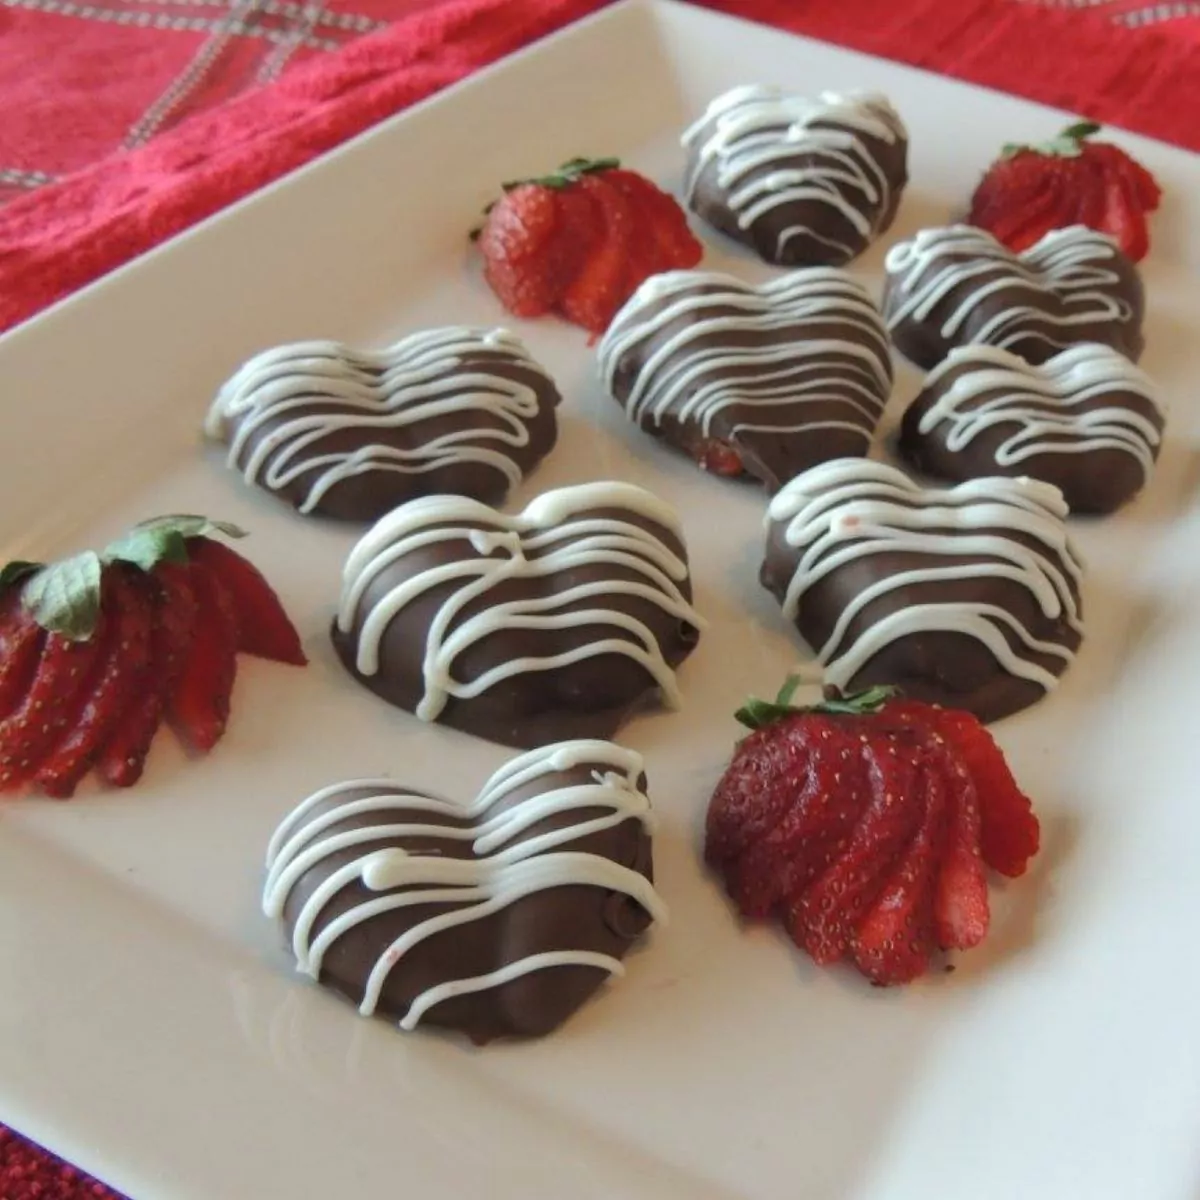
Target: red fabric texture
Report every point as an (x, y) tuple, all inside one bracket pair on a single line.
[(194, 86), (55, 239)]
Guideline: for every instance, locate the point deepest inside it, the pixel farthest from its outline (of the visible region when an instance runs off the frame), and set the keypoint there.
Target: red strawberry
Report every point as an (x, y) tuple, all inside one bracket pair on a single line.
[(21, 643), (781, 810), (581, 240), (1009, 834), (602, 283), (199, 705), (1068, 181), (125, 755), (893, 941), (719, 458), (861, 819), (94, 648), (264, 629), (121, 647), (48, 707), (824, 916)]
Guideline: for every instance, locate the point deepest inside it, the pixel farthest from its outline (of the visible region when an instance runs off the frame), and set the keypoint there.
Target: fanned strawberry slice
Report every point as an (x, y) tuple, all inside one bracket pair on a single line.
[(21, 643), (124, 757), (199, 706), (1009, 832), (823, 917), (121, 648), (894, 940), (600, 286), (264, 628), (33, 727), (960, 906)]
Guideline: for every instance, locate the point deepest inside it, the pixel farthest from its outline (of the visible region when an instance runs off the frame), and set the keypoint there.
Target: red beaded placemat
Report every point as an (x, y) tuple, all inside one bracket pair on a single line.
[(215, 98)]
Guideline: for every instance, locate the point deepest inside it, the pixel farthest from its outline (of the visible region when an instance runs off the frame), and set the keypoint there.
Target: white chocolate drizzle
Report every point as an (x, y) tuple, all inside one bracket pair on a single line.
[(505, 863), (1071, 404), (843, 511), (305, 392), (711, 342), (1073, 268), (772, 148), (557, 533)]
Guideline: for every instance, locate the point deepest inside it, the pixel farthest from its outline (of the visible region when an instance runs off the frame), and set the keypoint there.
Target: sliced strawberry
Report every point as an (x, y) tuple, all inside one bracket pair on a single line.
[(124, 756), (199, 707), (822, 918), (121, 650), (894, 940), (48, 707), (21, 644), (718, 457), (677, 247), (518, 230), (961, 911), (602, 284), (1123, 217), (1009, 833), (264, 629)]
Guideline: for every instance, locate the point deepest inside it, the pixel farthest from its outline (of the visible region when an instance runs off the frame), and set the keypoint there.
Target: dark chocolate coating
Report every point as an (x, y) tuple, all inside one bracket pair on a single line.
[(589, 698), (801, 368), (938, 666), (865, 172), (1034, 305), (1096, 480), (575, 917), (367, 494)]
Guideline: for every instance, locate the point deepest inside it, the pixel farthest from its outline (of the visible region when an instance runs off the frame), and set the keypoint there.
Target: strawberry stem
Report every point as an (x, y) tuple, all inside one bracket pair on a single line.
[(570, 172), (1068, 144), (755, 714)]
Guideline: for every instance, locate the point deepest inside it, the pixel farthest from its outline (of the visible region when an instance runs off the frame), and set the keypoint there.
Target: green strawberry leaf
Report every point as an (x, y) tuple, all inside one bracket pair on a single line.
[(755, 714), (1079, 131), (64, 598), (1068, 144), (164, 539), (17, 570)]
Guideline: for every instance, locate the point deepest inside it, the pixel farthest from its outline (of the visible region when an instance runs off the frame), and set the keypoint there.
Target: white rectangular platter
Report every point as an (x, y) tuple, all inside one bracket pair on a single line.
[(151, 1028)]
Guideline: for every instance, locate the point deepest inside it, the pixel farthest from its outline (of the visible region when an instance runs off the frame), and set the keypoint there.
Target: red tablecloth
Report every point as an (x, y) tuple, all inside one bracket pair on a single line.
[(125, 121)]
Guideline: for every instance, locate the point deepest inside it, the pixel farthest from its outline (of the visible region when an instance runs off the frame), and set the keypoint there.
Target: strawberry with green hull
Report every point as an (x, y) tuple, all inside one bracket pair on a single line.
[(580, 241), (1068, 181), (866, 824), (98, 650)]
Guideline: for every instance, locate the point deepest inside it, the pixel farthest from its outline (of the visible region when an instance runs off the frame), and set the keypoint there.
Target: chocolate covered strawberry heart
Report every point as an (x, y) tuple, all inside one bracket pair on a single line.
[(557, 622), (496, 918), (350, 433), (803, 182), (968, 597), (763, 381), (958, 286), (1087, 421)]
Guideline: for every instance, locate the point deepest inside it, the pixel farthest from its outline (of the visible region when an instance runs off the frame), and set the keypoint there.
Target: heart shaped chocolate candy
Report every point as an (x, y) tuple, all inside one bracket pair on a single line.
[(968, 598), (555, 623), (1087, 421), (958, 286), (496, 918), (765, 381), (803, 182), (350, 434)]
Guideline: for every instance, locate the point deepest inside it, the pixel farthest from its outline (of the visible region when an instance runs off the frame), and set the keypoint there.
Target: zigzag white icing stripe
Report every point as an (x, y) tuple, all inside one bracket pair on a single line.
[(1067, 263), (323, 387), (851, 509), (706, 365), (506, 865), (551, 537), (1048, 404), (755, 127)]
